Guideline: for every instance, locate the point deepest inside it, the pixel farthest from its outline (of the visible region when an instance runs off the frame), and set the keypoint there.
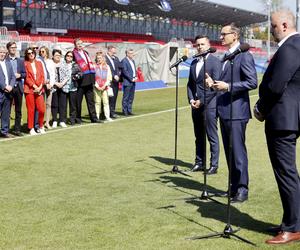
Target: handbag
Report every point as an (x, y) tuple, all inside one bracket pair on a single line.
[(110, 92)]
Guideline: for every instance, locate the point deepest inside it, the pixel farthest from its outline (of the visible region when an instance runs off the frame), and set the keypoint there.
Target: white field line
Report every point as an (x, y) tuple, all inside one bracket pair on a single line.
[(59, 130)]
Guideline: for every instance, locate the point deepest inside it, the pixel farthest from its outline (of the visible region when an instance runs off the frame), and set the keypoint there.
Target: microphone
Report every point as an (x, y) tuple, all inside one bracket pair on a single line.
[(243, 48), (210, 50), (182, 59)]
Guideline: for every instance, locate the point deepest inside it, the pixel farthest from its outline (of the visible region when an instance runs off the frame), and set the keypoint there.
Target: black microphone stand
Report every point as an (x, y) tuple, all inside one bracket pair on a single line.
[(175, 168), (228, 230)]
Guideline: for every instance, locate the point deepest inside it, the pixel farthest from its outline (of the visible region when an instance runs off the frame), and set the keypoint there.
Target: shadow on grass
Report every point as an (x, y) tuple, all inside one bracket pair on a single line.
[(170, 161), (215, 210), (238, 218)]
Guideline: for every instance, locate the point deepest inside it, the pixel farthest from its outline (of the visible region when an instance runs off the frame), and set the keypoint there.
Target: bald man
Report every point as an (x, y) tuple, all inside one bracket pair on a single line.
[(279, 107)]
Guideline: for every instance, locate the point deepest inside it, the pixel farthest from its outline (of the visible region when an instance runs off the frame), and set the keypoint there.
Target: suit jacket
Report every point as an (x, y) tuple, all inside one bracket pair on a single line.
[(127, 72), (195, 88), (30, 79), (279, 91), (21, 71), (116, 70), (10, 74), (244, 79)]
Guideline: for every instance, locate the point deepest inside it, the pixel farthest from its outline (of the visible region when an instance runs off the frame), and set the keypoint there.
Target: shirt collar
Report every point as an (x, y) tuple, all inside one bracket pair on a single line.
[(287, 37), (232, 49)]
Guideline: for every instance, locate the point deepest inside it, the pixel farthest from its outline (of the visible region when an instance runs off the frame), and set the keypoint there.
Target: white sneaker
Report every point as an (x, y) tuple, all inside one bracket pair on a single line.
[(54, 125), (62, 124), (32, 132), (109, 119), (42, 130)]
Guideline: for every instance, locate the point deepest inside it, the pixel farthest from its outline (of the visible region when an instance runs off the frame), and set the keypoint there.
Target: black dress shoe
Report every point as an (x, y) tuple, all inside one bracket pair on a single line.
[(240, 197), (197, 167), (6, 136), (18, 133), (212, 170), (129, 113)]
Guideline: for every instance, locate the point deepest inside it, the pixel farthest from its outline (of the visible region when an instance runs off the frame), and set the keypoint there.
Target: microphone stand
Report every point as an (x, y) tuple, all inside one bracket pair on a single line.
[(228, 230), (175, 168)]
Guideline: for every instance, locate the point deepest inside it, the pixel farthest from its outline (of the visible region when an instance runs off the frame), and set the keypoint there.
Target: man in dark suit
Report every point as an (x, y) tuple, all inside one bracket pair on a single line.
[(17, 91), (7, 82), (196, 99), (279, 106), (114, 64), (244, 79), (129, 79)]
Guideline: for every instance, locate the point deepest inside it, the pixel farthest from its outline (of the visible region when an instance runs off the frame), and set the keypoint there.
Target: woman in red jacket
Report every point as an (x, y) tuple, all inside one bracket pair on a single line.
[(34, 90)]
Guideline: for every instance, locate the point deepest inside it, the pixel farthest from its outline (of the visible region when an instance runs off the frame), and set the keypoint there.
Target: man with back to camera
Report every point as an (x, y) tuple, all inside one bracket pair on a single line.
[(195, 92), (244, 80), (279, 106)]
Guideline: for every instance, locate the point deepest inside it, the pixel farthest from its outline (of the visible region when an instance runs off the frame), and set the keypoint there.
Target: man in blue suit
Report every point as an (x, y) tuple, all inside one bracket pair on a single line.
[(7, 82), (279, 106), (244, 79), (17, 91), (195, 92), (129, 79), (114, 64)]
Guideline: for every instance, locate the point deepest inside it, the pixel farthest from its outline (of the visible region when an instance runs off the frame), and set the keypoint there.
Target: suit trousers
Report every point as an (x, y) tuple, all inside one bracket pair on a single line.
[(5, 100), (113, 99), (59, 105), (72, 96), (88, 92), (35, 101), (17, 96), (239, 167), (211, 132), (128, 96), (282, 153)]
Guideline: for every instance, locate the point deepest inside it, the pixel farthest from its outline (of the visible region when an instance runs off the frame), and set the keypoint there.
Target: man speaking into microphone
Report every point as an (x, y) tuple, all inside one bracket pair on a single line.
[(195, 92), (244, 79)]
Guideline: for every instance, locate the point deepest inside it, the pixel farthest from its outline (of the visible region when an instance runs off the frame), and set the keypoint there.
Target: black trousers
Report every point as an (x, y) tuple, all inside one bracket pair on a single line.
[(72, 96), (282, 152), (86, 91), (17, 96), (113, 99), (59, 105)]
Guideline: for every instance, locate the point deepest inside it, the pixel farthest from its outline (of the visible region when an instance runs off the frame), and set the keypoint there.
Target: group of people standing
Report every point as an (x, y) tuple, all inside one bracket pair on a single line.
[(278, 106), (50, 84)]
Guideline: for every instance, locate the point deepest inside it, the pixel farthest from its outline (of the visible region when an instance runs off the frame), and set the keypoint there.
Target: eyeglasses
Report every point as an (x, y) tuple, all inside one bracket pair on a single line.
[(29, 53), (13, 47), (228, 33), (273, 26), (35, 47)]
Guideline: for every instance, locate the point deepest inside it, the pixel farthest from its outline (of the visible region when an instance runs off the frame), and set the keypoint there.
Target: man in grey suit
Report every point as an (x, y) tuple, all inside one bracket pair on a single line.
[(244, 79), (279, 106), (7, 82), (17, 91), (129, 79), (195, 92)]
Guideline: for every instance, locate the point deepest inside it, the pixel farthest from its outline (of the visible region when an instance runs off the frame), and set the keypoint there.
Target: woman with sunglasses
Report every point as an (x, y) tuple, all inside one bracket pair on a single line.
[(34, 89), (68, 86)]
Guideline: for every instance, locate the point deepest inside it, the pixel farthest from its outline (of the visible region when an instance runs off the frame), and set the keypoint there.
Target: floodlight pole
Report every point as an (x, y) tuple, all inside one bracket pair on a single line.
[(297, 15), (269, 28)]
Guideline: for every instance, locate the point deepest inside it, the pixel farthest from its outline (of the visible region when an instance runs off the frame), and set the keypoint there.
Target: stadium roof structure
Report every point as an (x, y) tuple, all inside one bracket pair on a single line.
[(190, 10)]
